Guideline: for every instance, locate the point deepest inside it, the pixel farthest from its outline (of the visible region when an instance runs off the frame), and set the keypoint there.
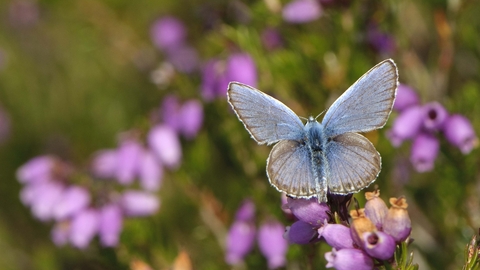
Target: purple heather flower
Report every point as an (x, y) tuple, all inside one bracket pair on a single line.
[(168, 32), (60, 233), (459, 131), (44, 199), (246, 211), (375, 208), (128, 161), (84, 226), (170, 112), (435, 116), (379, 245), (214, 80), (164, 142), (191, 118), (347, 259), (424, 151), (272, 244), (139, 203), (406, 126), (336, 235), (110, 225), (240, 241), (104, 163), (36, 170), (397, 222), (302, 11), (359, 225), (73, 200), (241, 68), (150, 171), (271, 38), (406, 97), (379, 40), (184, 58), (301, 233), (309, 210)]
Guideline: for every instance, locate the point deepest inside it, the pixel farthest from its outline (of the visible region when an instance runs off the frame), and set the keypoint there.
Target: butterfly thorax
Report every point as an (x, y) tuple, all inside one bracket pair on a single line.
[(315, 135)]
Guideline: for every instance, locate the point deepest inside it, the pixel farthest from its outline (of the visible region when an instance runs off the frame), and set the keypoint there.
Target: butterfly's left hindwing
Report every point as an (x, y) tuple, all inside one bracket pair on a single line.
[(289, 169)]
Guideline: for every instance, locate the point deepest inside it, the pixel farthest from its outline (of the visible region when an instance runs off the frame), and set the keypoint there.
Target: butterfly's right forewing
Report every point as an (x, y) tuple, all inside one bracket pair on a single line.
[(267, 119)]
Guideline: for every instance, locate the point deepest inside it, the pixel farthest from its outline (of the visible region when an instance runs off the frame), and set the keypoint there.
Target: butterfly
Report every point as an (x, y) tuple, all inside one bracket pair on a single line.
[(314, 158)]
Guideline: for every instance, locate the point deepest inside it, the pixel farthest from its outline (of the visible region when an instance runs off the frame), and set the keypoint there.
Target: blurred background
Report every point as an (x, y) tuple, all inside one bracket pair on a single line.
[(126, 102)]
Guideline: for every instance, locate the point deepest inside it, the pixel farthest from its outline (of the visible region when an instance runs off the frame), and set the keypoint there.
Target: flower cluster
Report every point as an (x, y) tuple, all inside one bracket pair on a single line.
[(241, 238), (78, 213), (83, 205), (373, 234), (422, 123)]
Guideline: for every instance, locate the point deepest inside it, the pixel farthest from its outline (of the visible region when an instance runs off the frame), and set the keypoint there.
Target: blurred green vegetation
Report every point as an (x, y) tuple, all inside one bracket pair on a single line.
[(79, 75)]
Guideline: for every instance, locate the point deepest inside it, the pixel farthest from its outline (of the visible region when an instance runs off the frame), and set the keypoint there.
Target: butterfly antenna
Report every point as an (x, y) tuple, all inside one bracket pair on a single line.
[(303, 118), (319, 114)]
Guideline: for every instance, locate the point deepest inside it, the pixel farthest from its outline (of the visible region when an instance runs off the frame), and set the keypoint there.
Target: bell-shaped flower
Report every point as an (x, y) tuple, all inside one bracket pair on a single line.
[(406, 97), (241, 68), (83, 227), (150, 171), (104, 163), (406, 126), (435, 116), (360, 224), (300, 233), (168, 32), (337, 236), (240, 241), (309, 210), (424, 151), (36, 170), (375, 208), (302, 11), (128, 161), (164, 142), (110, 225), (378, 245), (349, 258), (72, 200), (272, 244), (397, 222), (139, 203), (458, 131)]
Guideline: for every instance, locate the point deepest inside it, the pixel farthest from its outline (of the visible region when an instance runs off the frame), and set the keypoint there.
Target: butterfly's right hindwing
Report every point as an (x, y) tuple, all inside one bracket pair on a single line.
[(267, 119), (353, 161)]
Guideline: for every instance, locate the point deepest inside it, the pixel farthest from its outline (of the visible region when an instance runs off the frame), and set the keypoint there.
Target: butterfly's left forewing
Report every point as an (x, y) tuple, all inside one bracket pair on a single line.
[(354, 163), (267, 119), (366, 105)]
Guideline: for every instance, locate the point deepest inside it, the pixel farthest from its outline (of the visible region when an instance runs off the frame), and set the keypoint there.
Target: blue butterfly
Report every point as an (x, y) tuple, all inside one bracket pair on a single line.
[(313, 159)]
